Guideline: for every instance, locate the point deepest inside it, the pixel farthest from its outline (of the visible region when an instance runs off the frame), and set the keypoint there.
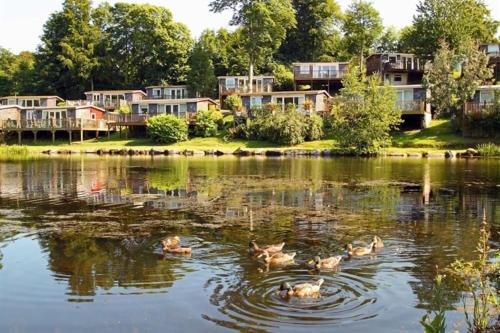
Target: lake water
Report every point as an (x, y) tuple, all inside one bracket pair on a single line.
[(80, 241)]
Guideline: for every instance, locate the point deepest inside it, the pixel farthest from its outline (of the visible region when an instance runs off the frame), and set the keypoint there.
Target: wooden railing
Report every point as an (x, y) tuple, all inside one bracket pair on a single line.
[(477, 107), (400, 65), (319, 74), (244, 89), (53, 124)]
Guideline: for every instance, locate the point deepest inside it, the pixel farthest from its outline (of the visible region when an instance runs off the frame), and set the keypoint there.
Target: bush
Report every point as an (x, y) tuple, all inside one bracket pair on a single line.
[(488, 149), (167, 129), (233, 103), (207, 123), (314, 128), (124, 109)]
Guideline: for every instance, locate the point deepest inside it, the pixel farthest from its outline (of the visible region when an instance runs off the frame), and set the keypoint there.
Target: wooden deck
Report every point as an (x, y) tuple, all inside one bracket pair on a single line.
[(476, 107), (412, 107)]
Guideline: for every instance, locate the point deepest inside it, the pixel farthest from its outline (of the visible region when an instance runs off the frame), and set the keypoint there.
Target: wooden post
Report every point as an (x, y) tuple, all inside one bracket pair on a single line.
[(19, 137), (109, 135), (96, 134), (81, 135), (70, 136), (120, 132), (34, 136), (53, 136)]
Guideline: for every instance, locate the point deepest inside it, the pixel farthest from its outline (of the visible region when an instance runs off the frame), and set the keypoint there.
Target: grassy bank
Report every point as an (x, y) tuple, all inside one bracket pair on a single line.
[(438, 137)]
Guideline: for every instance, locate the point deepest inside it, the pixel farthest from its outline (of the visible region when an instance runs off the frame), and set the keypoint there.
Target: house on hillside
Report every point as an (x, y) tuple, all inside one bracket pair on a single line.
[(320, 75), (396, 68), (310, 101), (229, 85), (167, 92), (113, 99), (413, 101), (31, 101)]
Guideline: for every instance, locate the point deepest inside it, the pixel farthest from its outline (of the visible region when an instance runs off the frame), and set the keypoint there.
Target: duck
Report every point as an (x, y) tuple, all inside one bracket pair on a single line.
[(331, 262), (302, 290), (278, 258), (360, 251), (273, 248), (173, 245), (378, 242)]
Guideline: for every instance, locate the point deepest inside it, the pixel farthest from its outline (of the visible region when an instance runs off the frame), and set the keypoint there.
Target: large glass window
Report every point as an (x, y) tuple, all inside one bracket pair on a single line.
[(486, 96), (230, 83), (305, 69), (143, 109), (157, 92), (161, 108)]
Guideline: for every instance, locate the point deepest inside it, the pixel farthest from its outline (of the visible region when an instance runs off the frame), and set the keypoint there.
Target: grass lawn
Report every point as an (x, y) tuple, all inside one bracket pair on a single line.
[(438, 137)]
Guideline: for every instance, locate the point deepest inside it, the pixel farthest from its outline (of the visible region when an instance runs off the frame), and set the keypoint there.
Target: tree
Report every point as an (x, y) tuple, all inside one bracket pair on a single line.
[(364, 113), (17, 74), (263, 24), (362, 27), (233, 103), (201, 79), (283, 77), (142, 45), (455, 76), (455, 21), (389, 41), (7, 71), (66, 58), (317, 36)]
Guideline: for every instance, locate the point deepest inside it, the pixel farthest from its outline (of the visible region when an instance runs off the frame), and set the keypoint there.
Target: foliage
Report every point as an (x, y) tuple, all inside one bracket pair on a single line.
[(317, 37), (201, 79), (17, 74), (283, 78), (389, 41), (477, 277), (488, 149), (124, 109), (263, 25), (207, 123), (233, 103), (438, 323), (167, 129), (141, 45), (449, 90), (364, 113), (362, 27), (455, 21), (314, 129)]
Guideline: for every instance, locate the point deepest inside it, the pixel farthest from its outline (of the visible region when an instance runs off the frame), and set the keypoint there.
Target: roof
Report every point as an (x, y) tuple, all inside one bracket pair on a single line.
[(489, 87), (32, 97), (175, 101), (115, 92), (396, 53), (407, 86), (2, 107), (168, 86), (50, 107), (245, 76), (287, 93)]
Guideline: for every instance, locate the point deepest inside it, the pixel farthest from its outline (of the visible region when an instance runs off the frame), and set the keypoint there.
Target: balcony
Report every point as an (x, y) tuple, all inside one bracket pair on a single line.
[(402, 66), (110, 104), (54, 124), (319, 74), (223, 90), (477, 107), (411, 107)]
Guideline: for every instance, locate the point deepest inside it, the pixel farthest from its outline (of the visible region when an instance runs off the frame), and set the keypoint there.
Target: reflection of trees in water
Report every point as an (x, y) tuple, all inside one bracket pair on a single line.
[(90, 264)]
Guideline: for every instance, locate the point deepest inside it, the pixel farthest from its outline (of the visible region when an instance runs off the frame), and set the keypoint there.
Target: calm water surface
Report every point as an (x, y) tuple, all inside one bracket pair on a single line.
[(79, 241)]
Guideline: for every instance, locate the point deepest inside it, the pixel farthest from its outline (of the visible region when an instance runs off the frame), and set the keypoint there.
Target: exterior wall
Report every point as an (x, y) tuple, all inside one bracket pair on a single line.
[(12, 113)]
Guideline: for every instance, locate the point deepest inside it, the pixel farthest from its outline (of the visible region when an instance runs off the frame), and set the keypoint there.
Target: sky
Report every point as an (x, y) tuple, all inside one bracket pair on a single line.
[(21, 21)]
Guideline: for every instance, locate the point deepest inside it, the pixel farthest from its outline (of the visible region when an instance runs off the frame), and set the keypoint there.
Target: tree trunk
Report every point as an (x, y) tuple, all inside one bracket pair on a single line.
[(250, 77)]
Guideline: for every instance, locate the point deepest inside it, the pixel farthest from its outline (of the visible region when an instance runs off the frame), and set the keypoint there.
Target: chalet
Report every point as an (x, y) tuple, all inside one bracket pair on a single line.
[(31, 101), (229, 85), (412, 100), (320, 75), (167, 92), (304, 101), (15, 118), (113, 99), (396, 68)]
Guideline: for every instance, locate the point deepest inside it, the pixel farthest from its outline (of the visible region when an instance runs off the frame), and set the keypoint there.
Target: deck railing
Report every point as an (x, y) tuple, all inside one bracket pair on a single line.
[(319, 74), (411, 106), (400, 65), (53, 124), (477, 107)]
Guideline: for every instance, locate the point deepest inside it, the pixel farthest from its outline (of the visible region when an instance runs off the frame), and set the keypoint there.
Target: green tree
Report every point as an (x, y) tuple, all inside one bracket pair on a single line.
[(201, 79), (455, 76), (167, 129), (233, 103), (142, 45), (66, 57), (17, 75), (362, 27), (364, 113), (283, 78), (317, 36), (207, 123), (7, 70), (389, 41), (455, 21), (263, 23)]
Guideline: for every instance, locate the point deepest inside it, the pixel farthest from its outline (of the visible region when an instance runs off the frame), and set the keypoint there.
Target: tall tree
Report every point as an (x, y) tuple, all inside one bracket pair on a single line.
[(17, 75), (455, 76), (142, 45), (66, 58), (455, 21), (389, 41), (264, 24), (317, 36), (201, 78), (7, 70), (362, 27)]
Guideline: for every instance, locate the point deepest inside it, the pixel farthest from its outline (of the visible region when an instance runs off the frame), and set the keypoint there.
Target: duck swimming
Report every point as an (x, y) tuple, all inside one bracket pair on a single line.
[(378, 242), (360, 251), (279, 258), (302, 290), (173, 245), (273, 248), (331, 262)]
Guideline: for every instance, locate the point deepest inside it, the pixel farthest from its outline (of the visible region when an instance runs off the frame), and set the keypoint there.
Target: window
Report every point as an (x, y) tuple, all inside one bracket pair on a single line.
[(305, 69), (11, 102), (256, 102), (179, 93), (96, 98), (486, 96), (493, 49), (392, 60), (172, 94), (92, 116), (285, 101), (157, 92), (161, 108), (29, 103), (168, 109), (143, 109), (36, 102), (398, 78), (230, 83)]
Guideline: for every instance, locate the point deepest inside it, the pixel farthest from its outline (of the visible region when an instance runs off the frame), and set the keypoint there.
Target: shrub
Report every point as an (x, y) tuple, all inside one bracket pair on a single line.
[(488, 149), (314, 128), (233, 103), (124, 109), (207, 123), (167, 129)]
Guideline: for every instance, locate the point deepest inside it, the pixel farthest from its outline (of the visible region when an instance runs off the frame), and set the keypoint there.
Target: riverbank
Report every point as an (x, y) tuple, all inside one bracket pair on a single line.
[(439, 140)]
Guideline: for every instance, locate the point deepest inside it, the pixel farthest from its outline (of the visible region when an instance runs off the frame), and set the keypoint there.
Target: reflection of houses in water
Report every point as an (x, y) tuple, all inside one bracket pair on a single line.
[(302, 198)]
